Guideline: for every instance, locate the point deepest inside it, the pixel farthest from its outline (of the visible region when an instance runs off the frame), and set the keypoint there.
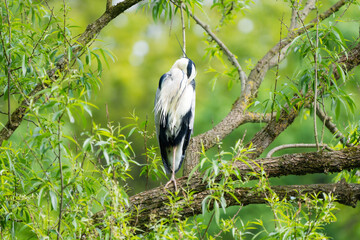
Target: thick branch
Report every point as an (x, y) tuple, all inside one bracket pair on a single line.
[(112, 12), (89, 34), (108, 4), (253, 117), (151, 206)]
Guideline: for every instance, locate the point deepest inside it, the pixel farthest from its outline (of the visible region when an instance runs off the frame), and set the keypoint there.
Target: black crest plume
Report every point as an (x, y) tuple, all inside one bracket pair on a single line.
[(182, 48)]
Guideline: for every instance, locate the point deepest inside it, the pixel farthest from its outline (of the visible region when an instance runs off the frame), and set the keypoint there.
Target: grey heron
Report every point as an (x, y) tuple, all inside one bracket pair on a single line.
[(174, 114)]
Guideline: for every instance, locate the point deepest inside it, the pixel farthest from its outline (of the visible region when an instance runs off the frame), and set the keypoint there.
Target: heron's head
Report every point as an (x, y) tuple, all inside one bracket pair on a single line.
[(187, 66)]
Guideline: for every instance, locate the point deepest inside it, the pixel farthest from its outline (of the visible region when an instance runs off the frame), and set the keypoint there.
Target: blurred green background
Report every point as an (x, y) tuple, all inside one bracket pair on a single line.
[(145, 49)]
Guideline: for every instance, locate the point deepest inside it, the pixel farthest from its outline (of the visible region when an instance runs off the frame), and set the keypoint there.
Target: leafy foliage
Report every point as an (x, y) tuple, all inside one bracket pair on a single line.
[(49, 177), (54, 181)]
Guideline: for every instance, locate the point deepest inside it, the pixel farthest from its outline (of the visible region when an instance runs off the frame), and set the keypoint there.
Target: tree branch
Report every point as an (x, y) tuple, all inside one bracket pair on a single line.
[(296, 145), (268, 134), (232, 58), (151, 205), (331, 126), (153, 208), (108, 4), (235, 117), (254, 117)]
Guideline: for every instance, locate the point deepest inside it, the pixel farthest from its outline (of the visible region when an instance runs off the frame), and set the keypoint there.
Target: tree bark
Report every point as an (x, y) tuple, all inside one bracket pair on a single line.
[(151, 205), (152, 208)]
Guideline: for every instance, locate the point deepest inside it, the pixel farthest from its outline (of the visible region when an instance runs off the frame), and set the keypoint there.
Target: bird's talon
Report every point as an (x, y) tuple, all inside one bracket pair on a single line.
[(171, 180)]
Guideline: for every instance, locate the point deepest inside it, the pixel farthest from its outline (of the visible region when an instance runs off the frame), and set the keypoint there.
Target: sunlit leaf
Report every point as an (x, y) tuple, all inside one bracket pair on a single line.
[(53, 199)]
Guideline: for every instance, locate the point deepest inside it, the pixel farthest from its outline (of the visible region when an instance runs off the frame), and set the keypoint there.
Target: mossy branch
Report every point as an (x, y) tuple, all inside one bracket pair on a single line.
[(150, 206)]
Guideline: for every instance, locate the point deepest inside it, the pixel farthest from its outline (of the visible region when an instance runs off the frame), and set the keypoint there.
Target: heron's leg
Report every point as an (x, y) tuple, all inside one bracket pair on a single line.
[(172, 179)]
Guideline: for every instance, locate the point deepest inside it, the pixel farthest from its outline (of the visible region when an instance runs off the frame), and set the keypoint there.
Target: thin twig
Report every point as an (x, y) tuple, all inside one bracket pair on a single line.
[(42, 35), (232, 220), (26, 119), (306, 30), (316, 76), (62, 30), (8, 62), (229, 54), (277, 70), (183, 28), (296, 145), (61, 179), (107, 115), (331, 126), (59, 150), (314, 50), (146, 154), (207, 228)]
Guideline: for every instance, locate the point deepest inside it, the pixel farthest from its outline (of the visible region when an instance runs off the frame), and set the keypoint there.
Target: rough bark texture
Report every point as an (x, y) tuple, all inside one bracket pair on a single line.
[(307, 163), (152, 205)]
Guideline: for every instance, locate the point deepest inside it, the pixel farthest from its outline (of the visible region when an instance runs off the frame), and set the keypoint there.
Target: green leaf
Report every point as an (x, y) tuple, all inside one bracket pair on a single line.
[(230, 84), (87, 109), (217, 212), (72, 120), (40, 196), (341, 72), (223, 203), (81, 65), (54, 200), (57, 115), (193, 171), (131, 131), (337, 110), (86, 144), (203, 205), (23, 66), (88, 57), (106, 156)]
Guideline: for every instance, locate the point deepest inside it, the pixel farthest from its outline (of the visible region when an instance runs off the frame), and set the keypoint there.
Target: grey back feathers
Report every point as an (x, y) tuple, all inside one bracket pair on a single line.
[(174, 112)]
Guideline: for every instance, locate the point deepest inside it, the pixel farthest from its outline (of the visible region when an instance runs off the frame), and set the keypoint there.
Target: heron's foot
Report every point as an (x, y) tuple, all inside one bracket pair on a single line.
[(172, 180)]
